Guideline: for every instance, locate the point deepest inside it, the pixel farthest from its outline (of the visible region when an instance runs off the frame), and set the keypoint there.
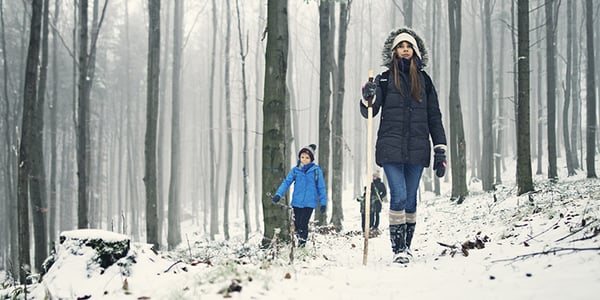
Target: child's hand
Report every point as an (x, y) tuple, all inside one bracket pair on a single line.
[(323, 209), (276, 198)]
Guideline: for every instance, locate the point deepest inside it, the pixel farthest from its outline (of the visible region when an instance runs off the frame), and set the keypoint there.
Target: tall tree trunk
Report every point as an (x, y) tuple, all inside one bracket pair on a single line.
[(162, 150), (53, 203), (273, 149), (214, 203), (551, 87), (26, 154), (229, 145), (152, 121), (11, 205), (436, 11), (515, 44), (568, 74), (326, 8), (337, 180), (174, 212), (501, 116), (487, 154), (539, 100), (258, 198), (591, 91), (82, 119), (245, 158), (575, 92), (524, 181), (38, 181), (457, 134)]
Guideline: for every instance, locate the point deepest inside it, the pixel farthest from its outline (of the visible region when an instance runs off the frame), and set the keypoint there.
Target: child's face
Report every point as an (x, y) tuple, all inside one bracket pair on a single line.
[(304, 158)]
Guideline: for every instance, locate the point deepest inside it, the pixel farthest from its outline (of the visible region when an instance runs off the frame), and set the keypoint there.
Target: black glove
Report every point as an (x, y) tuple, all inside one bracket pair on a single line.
[(439, 162), (276, 198), (368, 90), (323, 209)]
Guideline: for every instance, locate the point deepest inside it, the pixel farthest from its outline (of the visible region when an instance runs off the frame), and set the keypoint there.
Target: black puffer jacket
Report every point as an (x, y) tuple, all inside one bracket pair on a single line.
[(406, 123)]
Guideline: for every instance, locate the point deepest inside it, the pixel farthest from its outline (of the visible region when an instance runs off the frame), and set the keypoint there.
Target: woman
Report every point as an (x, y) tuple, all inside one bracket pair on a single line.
[(410, 116)]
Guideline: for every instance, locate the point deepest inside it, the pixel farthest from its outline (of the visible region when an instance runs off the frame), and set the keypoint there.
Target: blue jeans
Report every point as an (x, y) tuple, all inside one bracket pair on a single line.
[(403, 180)]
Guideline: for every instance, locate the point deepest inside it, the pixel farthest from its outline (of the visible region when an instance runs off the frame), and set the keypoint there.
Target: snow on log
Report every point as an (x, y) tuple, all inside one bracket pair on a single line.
[(107, 246)]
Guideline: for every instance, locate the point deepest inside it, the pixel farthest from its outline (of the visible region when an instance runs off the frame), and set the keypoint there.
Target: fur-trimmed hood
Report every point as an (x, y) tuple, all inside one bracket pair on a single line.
[(386, 53)]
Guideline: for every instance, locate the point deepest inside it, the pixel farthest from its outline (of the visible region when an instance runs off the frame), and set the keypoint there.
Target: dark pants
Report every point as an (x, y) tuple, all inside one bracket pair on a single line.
[(373, 220), (301, 218)]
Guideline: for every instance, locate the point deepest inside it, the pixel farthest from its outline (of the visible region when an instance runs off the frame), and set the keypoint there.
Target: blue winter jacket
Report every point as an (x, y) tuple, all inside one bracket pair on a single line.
[(309, 186)]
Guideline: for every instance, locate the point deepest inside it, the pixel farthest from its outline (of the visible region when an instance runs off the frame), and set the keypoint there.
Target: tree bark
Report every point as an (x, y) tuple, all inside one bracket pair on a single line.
[(174, 205), (38, 180), (591, 91), (26, 155), (551, 87), (337, 181), (575, 93), (487, 154), (10, 222), (214, 203), (326, 8), (524, 181), (53, 203), (229, 138), (273, 148), (457, 135), (82, 119), (162, 150), (152, 122), (567, 92), (245, 158)]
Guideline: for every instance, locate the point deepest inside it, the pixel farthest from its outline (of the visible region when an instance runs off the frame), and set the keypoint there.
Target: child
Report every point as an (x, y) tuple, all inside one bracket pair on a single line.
[(378, 193), (309, 189)]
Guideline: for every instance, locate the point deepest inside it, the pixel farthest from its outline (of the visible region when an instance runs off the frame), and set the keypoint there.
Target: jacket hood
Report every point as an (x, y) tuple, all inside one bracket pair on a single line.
[(386, 53)]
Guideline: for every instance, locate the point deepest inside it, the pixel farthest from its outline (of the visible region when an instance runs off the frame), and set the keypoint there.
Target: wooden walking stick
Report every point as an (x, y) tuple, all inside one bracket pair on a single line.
[(369, 178)]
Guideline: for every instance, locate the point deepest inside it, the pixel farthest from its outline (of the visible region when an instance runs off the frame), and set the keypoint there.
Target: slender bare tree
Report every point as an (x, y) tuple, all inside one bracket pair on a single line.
[(551, 86), (214, 203), (591, 91), (326, 33), (174, 206), (524, 180), (457, 134), (567, 92), (487, 154), (229, 138), (26, 152), (246, 157), (152, 121), (274, 151), (339, 144)]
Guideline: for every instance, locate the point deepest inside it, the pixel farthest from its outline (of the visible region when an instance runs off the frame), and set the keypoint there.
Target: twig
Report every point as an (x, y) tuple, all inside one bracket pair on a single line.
[(576, 231), (188, 242), (596, 232), (547, 229), (169, 268), (447, 245), (551, 251)]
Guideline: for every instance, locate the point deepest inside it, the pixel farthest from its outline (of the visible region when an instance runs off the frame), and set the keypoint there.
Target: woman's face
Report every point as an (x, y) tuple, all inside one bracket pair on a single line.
[(304, 158), (404, 50)]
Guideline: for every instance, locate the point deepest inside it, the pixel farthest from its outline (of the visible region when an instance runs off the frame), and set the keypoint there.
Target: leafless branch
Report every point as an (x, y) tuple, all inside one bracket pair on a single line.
[(551, 251)]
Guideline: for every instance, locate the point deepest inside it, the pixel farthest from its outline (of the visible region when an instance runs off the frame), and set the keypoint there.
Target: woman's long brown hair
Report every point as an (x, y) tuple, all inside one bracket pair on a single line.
[(415, 84)]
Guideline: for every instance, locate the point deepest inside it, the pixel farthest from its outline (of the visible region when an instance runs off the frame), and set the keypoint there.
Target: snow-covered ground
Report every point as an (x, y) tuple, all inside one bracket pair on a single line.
[(542, 246)]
